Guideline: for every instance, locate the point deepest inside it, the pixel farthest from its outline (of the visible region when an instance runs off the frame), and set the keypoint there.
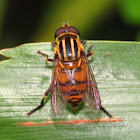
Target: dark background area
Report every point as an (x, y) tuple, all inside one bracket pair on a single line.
[(32, 21)]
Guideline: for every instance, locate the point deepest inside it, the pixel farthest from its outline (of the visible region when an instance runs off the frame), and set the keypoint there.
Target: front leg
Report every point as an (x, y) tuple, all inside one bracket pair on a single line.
[(53, 44), (47, 59), (90, 53), (83, 42)]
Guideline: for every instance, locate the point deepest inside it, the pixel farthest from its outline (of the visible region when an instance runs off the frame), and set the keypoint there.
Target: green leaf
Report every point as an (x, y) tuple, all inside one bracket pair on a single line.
[(25, 77)]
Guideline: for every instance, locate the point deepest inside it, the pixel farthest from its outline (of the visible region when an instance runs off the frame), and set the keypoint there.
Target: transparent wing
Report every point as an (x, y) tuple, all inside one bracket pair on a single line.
[(92, 91), (92, 97), (58, 103)]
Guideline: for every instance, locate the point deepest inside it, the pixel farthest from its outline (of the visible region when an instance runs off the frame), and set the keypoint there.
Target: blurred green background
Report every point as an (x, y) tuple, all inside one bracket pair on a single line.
[(25, 21)]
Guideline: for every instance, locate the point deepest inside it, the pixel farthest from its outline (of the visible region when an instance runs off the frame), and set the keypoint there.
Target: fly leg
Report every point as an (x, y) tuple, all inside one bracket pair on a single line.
[(53, 44), (90, 53), (42, 103), (106, 112), (83, 42), (47, 59)]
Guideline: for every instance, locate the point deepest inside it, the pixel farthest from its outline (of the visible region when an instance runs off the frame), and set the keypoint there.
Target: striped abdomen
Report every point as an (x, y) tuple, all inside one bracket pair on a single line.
[(72, 84), (68, 49)]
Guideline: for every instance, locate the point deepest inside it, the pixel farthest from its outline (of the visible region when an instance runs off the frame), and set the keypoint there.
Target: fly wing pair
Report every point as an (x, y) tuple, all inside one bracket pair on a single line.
[(91, 98)]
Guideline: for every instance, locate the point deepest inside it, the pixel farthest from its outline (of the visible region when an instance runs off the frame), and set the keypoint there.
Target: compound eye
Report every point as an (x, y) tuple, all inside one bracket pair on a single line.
[(73, 30), (59, 31)]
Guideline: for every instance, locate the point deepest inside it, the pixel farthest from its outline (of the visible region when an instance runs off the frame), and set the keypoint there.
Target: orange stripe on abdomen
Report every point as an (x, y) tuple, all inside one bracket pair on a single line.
[(79, 87), (63, 77), (80, 74)]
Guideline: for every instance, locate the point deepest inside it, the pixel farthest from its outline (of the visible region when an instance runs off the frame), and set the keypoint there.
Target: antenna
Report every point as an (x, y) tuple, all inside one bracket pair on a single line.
[(65, 24)]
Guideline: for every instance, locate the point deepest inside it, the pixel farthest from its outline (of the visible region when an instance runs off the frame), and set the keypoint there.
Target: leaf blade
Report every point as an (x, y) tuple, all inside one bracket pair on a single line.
[(25, 77)]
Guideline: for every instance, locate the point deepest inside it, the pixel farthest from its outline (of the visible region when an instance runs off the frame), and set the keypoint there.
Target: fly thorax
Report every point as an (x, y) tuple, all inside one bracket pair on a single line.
[(68, 49)]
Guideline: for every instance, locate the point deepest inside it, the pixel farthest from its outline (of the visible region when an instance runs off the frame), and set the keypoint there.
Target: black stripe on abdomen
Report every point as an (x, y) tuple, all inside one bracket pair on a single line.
[(70, 83), (74, 93), (74, 102)]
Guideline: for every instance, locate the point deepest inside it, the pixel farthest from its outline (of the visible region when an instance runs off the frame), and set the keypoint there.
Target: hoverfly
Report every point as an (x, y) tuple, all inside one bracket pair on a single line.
[(72, 78)]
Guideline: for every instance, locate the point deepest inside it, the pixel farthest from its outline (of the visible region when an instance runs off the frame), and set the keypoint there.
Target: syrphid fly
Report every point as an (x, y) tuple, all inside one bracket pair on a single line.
[(73, 81)]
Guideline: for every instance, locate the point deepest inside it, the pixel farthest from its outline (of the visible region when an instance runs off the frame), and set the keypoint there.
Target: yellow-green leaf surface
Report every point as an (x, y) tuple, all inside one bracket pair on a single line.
[(25, 77)]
